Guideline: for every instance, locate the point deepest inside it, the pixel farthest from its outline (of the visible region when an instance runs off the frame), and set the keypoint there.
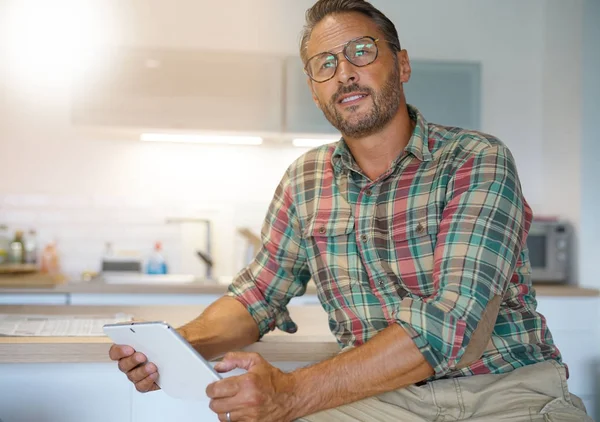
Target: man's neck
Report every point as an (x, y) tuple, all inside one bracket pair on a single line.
[(375, 153)]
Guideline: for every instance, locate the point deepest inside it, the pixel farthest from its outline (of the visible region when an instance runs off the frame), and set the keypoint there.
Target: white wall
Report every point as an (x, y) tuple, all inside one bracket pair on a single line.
[(108, 184), (561, 108), (590, 159)]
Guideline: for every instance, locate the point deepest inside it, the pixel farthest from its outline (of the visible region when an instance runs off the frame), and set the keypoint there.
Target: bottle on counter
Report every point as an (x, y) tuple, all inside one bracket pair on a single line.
[(4, 244), (50, 262), (30, 252), (156, 262), (16, 252)]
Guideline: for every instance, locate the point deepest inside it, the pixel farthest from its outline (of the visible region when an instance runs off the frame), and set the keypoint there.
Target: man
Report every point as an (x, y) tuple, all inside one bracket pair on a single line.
[(414, 234)]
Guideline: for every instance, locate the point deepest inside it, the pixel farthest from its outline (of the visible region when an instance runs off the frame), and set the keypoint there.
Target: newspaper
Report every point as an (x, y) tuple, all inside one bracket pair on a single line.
[(56, 325)]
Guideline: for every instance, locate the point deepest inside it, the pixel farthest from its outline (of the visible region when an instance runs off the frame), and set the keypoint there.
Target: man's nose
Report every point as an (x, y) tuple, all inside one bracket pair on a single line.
[(346, 72)]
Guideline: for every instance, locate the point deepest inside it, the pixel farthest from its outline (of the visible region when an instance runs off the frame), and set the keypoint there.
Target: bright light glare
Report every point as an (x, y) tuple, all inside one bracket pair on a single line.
[(311, 143), (201, 139), (48, 42)]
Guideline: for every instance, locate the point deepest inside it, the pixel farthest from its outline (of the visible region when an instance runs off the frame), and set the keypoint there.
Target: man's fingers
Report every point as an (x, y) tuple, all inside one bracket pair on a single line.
[(243, 360), (147, 384), (229, 404), (233, 416), (135, 366), (222, 389), (128, 363), (120, 351), (141, 372)]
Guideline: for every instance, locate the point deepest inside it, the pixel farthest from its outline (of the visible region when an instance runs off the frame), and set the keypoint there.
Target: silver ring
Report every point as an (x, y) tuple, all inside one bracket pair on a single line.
[(228, 416)]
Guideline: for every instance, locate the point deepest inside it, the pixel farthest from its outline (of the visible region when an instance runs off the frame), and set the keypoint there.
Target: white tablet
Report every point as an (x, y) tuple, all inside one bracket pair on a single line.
[(182, 372)]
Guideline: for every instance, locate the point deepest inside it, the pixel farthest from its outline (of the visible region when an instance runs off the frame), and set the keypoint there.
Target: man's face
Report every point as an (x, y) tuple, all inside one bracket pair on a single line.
[(378, 84)]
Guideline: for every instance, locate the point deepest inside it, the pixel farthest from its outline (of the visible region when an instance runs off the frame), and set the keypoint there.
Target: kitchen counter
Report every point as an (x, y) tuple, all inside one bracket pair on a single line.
[(71, 379), (204, 287), (312, 342)]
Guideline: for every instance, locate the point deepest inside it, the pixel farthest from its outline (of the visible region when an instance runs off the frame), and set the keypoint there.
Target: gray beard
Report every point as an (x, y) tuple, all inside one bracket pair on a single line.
[(385, 106)]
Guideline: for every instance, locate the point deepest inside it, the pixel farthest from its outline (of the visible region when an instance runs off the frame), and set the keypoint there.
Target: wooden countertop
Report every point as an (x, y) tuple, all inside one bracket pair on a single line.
[(312, 342), (97, 287)]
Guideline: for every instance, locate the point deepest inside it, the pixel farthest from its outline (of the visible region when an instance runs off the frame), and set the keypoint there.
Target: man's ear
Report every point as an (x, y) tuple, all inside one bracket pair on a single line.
[(404, 64), (312, 92)]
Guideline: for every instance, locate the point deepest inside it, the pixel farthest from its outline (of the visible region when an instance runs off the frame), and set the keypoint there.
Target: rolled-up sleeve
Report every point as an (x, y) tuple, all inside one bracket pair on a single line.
[(481, 234), (279, 271)]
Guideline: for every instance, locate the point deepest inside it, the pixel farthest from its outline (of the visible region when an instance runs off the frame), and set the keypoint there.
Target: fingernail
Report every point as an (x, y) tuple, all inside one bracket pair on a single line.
[(153, 375), (139, 358)]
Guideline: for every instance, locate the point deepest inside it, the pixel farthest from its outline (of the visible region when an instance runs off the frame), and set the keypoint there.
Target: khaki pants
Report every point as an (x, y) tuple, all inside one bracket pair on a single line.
[(532, 393)]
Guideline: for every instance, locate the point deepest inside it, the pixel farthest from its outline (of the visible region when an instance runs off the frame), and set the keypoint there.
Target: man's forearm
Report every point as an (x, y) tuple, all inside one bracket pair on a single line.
[(387, 362), (224, 326)]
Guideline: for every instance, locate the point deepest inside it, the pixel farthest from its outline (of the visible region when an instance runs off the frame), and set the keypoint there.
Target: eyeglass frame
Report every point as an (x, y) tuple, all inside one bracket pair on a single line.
[(345, 46)]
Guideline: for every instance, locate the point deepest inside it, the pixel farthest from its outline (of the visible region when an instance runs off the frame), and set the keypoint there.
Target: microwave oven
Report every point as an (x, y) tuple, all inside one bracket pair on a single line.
[(549, 245)]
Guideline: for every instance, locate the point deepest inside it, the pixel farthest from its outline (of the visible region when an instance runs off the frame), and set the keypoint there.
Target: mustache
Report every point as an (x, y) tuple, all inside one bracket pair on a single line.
[(350, 89)]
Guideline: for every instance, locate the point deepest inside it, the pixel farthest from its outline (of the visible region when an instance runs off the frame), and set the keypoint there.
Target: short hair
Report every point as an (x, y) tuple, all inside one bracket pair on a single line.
[(323, 8)]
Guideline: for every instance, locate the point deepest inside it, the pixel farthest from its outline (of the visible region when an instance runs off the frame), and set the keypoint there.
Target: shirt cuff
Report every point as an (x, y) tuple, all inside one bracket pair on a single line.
[(267, 316), (437, 334)]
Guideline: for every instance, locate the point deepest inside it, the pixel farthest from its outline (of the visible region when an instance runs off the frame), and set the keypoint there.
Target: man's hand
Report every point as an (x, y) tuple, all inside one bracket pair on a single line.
[(263, 394), (136, 366)]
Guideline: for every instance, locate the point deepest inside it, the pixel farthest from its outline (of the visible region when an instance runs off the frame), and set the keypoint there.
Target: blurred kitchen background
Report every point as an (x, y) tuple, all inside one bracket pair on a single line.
[(83, 82)]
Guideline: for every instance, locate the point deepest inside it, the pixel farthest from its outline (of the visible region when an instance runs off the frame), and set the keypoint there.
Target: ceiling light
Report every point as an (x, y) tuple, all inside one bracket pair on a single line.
[(311, 142), (201, 139)]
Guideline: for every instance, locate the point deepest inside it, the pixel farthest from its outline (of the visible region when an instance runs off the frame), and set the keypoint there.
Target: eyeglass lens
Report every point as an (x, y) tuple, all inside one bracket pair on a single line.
[(360, 52)]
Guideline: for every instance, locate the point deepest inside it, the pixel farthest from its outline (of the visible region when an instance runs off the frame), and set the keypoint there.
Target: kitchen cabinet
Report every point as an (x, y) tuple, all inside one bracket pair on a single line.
[(33, 299), (246, 93), (573, 323), (447, 93), (98, 293), (67, 392), (302, 116), (167, 89)]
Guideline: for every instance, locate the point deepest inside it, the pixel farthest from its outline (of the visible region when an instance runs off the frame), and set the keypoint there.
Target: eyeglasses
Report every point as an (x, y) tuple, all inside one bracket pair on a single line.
[(360, 52)]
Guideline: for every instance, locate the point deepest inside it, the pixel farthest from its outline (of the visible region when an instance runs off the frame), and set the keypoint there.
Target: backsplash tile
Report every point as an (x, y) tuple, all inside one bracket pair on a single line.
[(82, 225)]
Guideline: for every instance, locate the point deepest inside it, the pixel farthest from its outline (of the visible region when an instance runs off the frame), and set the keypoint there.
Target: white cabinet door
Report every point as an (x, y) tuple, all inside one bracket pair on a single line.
[(64, 393), (573, 323), (168, 89), (158, 407), (33, 299), (141, 299)]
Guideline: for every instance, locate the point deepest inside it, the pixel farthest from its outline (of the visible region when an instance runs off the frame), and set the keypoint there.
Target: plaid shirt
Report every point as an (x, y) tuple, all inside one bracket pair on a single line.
[(427, 245)]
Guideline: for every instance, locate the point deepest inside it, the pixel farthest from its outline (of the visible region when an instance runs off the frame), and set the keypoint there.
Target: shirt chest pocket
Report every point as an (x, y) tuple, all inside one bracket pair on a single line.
[(413, 241), (332, 253)]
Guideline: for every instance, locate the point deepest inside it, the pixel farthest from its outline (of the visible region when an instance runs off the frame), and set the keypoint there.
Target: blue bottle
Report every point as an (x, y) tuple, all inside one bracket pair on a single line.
[(156, 262)]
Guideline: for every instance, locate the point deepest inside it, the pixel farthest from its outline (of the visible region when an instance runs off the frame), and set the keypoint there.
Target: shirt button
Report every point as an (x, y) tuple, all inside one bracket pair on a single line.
[(322, 230), (364, 238), (369, 192), (380, 283), (420, 228)]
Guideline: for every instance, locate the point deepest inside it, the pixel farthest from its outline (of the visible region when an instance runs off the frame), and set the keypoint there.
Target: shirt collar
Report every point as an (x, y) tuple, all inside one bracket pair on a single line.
[(418, 145)]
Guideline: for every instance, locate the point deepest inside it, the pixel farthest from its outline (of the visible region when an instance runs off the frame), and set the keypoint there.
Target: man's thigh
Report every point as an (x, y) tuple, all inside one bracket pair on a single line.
[(375, 410), (371, 409), (537, 393)]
